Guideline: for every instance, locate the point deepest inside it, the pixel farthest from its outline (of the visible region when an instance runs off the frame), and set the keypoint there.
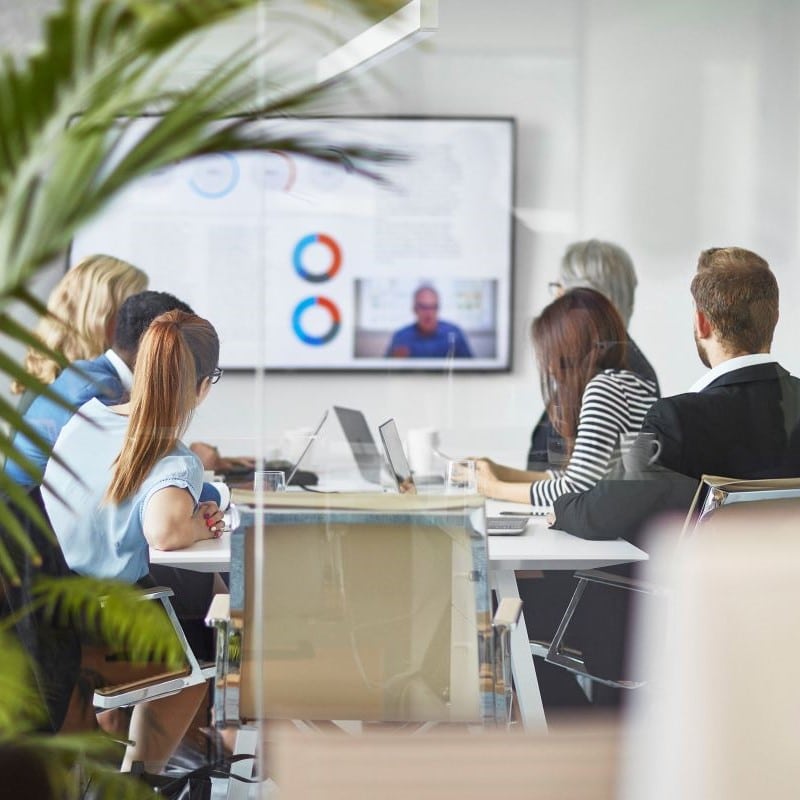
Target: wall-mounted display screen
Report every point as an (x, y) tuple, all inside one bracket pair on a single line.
[(305, 265)]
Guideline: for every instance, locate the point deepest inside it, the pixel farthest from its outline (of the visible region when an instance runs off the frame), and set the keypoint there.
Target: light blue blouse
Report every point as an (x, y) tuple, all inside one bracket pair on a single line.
[(100, 539)]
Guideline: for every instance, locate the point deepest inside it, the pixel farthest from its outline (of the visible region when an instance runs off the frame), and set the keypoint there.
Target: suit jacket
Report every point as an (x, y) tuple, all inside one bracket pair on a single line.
[(743, 425)]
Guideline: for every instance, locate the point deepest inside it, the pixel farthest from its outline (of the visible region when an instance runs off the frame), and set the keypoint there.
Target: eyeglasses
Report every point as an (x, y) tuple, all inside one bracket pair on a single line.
[(555, 288), (215, 375)]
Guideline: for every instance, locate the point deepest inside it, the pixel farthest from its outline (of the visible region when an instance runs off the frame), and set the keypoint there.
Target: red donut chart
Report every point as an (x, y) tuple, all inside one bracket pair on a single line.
[(333, 312), (335, 255)]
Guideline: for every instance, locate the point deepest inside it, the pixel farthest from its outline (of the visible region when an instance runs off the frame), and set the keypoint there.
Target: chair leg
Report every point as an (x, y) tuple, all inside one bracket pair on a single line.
[(555, 654)]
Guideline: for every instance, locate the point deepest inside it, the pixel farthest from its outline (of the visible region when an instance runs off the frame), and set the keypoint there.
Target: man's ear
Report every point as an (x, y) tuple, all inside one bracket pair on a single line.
[(702, 325)]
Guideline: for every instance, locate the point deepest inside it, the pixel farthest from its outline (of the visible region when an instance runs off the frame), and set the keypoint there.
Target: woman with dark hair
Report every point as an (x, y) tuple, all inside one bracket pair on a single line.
[(589, 394), (122, 481), (607, 268)]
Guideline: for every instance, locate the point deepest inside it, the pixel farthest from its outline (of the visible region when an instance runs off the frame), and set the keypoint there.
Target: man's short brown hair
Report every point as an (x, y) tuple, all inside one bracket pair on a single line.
[(738, 293)]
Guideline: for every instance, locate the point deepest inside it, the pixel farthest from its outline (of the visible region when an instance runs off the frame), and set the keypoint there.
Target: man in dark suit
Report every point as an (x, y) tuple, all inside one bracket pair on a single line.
[(740, 420)]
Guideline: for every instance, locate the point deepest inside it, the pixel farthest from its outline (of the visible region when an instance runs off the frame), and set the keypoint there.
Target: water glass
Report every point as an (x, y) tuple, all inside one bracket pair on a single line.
[(271, 480), (461, 477), (558, 451)]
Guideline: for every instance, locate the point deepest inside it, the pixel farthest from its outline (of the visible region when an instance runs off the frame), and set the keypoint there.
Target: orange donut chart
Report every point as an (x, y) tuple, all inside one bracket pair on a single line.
[(335, 253)]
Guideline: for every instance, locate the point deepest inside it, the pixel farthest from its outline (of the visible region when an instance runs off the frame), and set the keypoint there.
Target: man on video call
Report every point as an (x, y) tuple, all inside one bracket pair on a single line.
[(428, 337)]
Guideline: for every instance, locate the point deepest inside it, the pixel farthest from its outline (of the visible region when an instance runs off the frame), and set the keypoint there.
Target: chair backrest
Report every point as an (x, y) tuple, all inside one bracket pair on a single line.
[(53, 648), (364, 606), (716, 495)]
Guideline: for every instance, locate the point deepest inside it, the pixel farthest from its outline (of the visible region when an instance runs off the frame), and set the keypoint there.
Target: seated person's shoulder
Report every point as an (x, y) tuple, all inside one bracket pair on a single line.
[(181, 468)]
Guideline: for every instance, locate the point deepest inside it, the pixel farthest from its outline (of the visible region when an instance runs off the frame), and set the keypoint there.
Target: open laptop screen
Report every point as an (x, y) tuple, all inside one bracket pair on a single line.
[(311, 440), (365, 452), (395, 455)]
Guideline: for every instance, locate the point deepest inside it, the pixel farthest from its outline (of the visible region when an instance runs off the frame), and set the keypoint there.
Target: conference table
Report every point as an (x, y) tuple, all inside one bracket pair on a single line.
[(538, 548)]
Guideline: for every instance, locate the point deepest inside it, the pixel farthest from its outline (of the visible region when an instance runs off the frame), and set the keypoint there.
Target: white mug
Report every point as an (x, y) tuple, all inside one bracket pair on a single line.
[(420, 446)]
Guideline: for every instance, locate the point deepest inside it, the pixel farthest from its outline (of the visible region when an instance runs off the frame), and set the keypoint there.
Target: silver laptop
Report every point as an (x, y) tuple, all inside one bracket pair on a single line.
[(395, 455), (311, 439), (365, 451)]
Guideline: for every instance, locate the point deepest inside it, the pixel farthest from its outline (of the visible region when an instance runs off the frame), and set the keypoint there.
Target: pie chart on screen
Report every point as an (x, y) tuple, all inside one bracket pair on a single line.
[(275, 172), (316, 320), (317, 257), (215, 175)]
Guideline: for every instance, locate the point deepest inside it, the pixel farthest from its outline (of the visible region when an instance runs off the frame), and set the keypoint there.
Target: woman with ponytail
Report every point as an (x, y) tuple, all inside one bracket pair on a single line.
[(121, 481)]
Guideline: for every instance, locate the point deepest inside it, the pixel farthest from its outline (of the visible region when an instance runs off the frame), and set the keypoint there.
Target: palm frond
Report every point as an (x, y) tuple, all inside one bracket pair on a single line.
[(21, 707), (121, 618)]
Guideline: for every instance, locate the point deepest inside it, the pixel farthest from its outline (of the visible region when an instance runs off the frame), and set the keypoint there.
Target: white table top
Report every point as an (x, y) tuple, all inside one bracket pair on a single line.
[(539, 547)]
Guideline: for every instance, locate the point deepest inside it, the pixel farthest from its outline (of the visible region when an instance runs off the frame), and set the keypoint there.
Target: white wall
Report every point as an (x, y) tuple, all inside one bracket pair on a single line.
[(522, 62), (690, 140), (667, 127)]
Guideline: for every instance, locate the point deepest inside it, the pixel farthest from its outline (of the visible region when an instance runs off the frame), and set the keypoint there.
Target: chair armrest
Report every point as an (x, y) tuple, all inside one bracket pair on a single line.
[(507, 614), (619, 581), (219, 611), (157, 593)]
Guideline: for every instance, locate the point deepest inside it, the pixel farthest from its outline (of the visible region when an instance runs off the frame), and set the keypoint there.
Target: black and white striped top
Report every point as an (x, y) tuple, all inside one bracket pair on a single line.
[(614, 402)]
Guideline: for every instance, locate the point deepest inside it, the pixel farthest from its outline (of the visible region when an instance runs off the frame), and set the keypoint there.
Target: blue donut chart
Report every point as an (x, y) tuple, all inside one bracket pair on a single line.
[(224, 188), (335, 254), (333, 312)]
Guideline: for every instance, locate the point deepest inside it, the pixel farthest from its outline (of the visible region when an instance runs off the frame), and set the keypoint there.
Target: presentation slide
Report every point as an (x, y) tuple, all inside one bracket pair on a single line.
[(307, 265)]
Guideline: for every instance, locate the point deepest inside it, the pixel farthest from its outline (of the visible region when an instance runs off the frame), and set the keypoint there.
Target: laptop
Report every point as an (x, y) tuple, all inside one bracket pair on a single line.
[(311, 439), (243, 475), (365, 451), (500, 525), (396, 456)]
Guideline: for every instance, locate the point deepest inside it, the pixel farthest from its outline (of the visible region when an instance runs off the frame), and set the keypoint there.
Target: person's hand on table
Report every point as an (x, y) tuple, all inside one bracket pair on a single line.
[(209, 512), (212, 460), (490, 485), (550, 519), (485, 475)]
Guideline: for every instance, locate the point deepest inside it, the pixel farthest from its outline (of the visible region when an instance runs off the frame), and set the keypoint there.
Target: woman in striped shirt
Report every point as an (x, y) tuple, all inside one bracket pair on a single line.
[(581, 350)]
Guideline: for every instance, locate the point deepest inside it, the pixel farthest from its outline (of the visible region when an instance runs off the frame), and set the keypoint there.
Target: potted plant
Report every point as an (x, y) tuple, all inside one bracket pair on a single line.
[(63, 113)]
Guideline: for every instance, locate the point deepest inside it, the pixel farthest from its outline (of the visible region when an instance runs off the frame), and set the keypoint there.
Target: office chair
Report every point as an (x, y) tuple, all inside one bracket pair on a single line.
[(364, 607), (156, 681), (715, 497), (54, 649)]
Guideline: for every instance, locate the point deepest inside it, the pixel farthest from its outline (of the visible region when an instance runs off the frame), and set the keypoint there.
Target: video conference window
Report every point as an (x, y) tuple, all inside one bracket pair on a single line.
[(304, 265), (421, 318)]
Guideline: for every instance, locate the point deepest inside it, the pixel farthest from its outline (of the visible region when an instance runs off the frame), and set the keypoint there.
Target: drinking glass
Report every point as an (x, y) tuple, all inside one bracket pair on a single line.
[(558, 451), (270, 480), (461, 476)]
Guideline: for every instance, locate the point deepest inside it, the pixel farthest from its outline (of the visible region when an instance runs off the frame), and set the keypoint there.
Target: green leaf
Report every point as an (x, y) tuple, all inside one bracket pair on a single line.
[(114, 611), (21, 707)]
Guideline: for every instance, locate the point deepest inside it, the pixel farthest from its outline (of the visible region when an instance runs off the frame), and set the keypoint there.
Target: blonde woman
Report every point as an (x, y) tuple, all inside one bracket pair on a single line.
[(132, 484), (82, 309)]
